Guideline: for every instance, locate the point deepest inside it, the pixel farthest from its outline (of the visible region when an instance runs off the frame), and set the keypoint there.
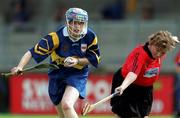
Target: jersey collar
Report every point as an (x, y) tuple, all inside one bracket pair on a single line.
[(145, 47), (65, 32)]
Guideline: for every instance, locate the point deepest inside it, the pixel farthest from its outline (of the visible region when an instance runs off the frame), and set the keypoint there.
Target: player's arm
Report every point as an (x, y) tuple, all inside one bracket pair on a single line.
[(92, 56), (83, 61), (72, 61), (93, 52), (39, 52), (130, 78), (24, 61), (134, 62), (45, 47)]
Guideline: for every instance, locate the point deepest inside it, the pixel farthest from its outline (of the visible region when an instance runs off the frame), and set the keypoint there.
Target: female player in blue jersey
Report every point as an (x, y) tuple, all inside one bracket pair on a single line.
[(73, 47)]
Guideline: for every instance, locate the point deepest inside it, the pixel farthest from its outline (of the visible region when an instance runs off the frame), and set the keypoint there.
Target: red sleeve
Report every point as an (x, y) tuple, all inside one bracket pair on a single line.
[(134, 61)]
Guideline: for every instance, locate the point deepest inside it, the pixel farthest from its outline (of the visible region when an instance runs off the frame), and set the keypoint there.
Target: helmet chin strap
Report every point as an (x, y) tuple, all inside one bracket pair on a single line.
[(73, 38)]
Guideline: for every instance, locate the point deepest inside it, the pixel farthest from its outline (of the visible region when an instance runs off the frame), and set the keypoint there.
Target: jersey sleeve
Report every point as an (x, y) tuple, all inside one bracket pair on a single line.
[(45, 47), (135, 61), (93, 52)]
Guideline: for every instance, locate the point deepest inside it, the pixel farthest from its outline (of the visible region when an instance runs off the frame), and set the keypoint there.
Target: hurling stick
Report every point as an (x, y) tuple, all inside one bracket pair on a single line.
[(89, 107), (40, 66)]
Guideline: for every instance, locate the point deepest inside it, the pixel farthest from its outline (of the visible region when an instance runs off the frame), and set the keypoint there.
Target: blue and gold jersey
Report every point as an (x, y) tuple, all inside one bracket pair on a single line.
[(58, 46)]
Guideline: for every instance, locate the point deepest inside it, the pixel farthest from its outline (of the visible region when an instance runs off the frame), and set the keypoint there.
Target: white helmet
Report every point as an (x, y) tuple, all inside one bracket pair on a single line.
[(76, 16)]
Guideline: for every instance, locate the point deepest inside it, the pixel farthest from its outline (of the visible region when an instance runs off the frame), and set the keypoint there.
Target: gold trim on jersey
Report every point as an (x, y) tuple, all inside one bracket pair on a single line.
[(43, 51), (97, 57), (37, 51), (55, 39), (93, 43)]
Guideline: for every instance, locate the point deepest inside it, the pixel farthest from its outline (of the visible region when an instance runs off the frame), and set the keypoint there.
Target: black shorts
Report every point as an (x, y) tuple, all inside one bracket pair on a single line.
[(136, 101)]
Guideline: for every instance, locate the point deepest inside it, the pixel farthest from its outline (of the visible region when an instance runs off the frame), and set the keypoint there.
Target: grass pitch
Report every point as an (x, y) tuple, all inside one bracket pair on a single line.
[(53, 116)]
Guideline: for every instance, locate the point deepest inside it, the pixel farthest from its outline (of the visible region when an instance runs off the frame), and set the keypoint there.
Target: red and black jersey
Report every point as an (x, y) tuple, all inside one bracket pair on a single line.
[(141, 62)]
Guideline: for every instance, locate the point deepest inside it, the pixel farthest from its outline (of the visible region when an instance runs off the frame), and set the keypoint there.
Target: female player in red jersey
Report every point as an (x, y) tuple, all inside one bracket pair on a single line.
[(134, 80)]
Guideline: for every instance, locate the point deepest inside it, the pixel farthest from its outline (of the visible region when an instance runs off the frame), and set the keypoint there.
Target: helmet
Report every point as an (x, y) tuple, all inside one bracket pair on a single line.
[(77, 20)]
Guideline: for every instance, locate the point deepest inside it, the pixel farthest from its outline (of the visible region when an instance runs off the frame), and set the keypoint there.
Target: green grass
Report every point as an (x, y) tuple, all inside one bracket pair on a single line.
[(49, 116)]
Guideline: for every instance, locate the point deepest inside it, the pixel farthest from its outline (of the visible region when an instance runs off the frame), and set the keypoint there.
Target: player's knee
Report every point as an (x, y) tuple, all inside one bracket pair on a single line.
[(66, 105)]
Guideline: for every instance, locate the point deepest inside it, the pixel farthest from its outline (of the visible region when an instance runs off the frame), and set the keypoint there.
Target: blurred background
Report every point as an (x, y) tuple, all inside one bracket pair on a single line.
[(119, 24)]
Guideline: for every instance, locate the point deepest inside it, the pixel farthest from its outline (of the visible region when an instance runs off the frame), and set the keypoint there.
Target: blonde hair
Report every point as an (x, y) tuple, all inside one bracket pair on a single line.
[(163, 40)]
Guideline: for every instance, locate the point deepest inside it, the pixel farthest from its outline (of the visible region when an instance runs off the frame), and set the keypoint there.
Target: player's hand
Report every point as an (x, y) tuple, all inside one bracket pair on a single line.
[(16, 70), (85, 108), (70, 61), (119, 90)]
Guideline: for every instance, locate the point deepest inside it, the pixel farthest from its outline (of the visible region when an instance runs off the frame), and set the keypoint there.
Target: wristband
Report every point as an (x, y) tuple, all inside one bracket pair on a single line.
[(78, 61)]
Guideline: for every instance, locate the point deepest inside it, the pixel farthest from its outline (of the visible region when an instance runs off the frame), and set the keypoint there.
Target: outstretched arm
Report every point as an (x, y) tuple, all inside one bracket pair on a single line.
[(24, 61), (130, 78)]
